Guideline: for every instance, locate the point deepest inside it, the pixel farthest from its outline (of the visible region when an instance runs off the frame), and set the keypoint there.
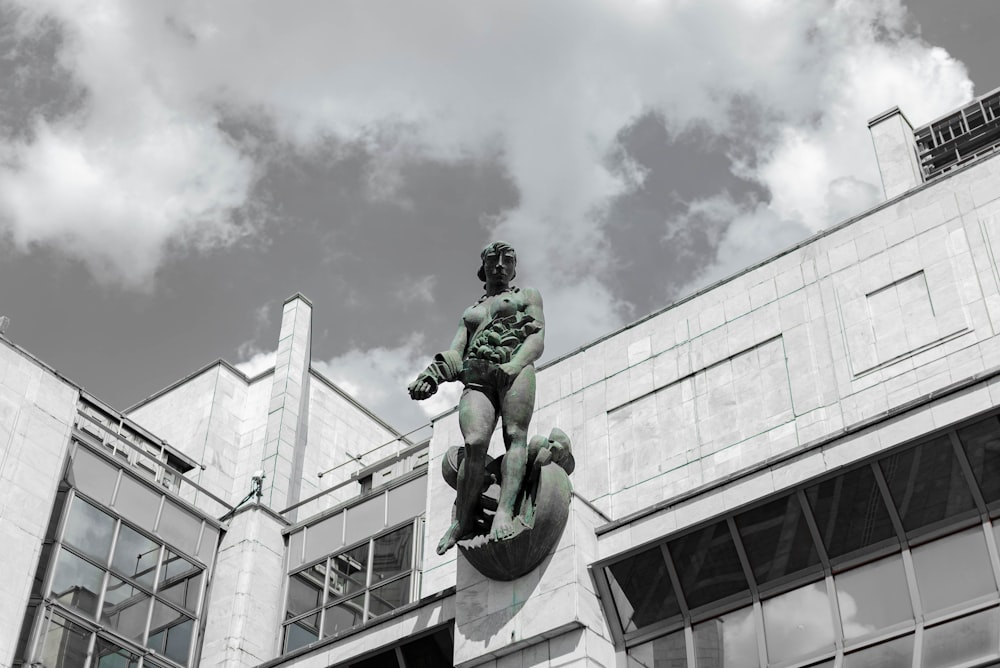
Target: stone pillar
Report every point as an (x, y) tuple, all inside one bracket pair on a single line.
[(896, 152), (285, 438), (550, 617), (245, 606)]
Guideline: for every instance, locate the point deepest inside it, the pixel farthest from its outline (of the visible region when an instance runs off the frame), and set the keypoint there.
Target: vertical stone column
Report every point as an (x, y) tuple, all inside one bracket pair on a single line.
[(245, 607), (550, 617), (285, 439), (896, 152)]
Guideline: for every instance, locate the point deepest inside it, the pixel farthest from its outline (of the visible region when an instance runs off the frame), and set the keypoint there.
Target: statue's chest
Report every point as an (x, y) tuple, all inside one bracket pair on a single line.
[(500, 306)]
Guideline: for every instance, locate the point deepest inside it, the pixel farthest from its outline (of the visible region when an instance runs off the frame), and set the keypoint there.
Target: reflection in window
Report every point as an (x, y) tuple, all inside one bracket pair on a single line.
[(962, 640), (77, 583), (135, 556), (707, 565), (392, 554), (776, 539), (798, 623), (92, 475), (849, 512), (109, 655), (981, 442), (324, 537), (729, 641), (668, 651), (896, 653), (301, 632), (927, 484), (126, 608), (344, 615), (65, 644), (953, 570), (137, 503), (873, 597), (641, 589), (89, 530), (390, 596)]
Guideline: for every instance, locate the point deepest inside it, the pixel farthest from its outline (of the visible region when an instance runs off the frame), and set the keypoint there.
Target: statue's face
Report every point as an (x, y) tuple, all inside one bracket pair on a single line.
[(499, 266)]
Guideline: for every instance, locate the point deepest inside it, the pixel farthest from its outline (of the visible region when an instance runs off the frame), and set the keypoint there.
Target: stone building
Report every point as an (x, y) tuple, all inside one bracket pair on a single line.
[(798, 466)]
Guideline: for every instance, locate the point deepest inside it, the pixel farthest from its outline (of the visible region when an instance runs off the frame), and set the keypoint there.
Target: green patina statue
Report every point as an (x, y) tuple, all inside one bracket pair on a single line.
[(493, 355)]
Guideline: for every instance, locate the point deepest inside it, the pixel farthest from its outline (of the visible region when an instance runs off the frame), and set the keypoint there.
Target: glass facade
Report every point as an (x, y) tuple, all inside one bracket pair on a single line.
[(123, 575), (345, 568), (891, 562)]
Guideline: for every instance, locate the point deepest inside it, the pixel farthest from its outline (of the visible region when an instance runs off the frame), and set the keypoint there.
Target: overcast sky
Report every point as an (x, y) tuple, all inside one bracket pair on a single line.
[(171, 171)]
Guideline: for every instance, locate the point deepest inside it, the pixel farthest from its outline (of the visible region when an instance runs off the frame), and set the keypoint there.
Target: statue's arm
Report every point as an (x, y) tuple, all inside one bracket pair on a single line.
[(534, 344), (444, 368)]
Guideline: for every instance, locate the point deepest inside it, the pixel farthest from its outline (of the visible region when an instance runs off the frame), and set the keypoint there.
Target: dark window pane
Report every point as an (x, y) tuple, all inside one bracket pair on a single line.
[(65, 644), (896, 653), (137, 502), (798, 623), (364, 519), (729, 641), (927, 484), (777, 539), (393, 554), (383, 660), (179, 527), (110, 655), (77, 583), (953, 570), (389, 596), (430, 651), (174, 566), (348, 572), (667, 651), (126, 608), (324, 537), (873, 597), (170, 632), (89, 530), (92, 475), (850, 512), (962, 640), (344, 615), (642, 590), (301, 633), (708, 565), (305, 593), (135, 556), (407, 500), (183, 591), (981, 442)]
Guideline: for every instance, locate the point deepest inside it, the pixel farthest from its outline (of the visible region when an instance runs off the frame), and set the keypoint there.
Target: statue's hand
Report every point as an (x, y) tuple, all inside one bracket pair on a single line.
[(422, 388)]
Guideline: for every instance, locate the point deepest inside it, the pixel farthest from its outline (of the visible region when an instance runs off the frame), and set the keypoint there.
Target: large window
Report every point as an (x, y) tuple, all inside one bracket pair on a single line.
[(891, 562), (123, 574)]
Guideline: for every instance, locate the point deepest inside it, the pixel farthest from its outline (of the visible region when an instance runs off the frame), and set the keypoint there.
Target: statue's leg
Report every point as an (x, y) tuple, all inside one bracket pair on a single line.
[(477, 418), (516, 406)]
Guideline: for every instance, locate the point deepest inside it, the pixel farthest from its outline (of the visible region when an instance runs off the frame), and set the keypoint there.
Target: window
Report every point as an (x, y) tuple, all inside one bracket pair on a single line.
[(350, 587)]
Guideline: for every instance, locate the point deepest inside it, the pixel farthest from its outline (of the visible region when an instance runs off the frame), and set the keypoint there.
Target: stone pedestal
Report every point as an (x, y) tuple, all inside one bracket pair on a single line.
[(547, 618)]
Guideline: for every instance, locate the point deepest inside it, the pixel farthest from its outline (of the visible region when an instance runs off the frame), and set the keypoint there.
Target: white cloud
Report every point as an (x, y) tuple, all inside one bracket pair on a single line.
[(417, 290), (254, 361)]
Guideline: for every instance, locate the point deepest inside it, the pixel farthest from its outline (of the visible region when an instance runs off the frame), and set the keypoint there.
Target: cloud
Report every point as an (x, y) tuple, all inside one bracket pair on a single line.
[(415, 290), (254, 361)]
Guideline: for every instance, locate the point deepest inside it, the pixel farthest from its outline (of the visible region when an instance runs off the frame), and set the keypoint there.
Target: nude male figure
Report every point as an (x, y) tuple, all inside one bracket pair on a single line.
[(493, 354)]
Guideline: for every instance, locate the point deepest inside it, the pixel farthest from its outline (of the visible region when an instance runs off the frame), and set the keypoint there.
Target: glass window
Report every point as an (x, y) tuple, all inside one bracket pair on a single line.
[(301, 633), (927, 484), (959, 641), (430, 651), (77, 583), (135, 556), (324, 537), (407, 500), (126, 608), (137, 502), (668, 651), (305, 593), (344, 615), (777, 540), (708, 566), (798, 623), (729, 641), (183, 591), (92, 475), (981, 442), (897, 653), (65, 644), (89, 530), (209, 541), (109, 655), (348, 571), (953, 570), (388, 597), (170, 633), (295, 548), (179, 527), (850, 513), (393, 554), (873, 597), (173, 567), (365, 519), (642, 590)]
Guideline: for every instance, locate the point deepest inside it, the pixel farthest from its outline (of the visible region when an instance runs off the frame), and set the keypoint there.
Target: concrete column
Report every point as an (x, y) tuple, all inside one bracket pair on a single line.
[(896, 152), (245, 603), (287, 419)]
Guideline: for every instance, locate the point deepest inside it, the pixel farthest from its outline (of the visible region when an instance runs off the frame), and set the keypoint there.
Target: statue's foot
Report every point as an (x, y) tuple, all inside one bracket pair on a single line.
[(450, 538), (503, 527)]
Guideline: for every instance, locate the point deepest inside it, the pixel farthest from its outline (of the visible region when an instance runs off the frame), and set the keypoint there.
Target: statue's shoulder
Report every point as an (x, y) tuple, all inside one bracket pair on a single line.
[(531, 296)]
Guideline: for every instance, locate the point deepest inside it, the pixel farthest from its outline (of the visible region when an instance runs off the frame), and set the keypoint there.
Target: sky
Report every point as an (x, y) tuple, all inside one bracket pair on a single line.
[(171, 171)]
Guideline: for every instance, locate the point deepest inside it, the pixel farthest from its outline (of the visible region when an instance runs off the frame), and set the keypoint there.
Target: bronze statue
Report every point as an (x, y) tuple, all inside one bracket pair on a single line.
[(493, 355)]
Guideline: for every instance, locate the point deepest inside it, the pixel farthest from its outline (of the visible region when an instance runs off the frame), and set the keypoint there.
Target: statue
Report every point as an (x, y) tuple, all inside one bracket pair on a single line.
[(499, 502)]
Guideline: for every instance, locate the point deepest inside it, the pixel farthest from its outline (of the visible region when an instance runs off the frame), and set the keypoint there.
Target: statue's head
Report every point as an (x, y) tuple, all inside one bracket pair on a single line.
[(498, 251)]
